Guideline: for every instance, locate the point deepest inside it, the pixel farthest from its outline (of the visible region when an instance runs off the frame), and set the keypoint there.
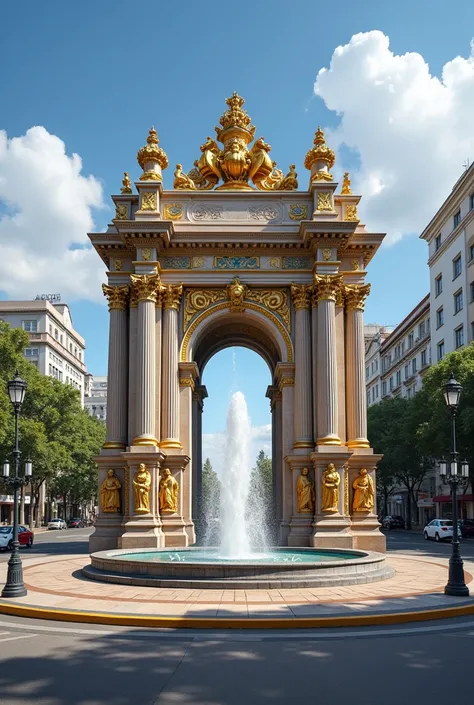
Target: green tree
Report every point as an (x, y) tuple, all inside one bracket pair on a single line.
[(210, 490), (55, 432), (260, 503)]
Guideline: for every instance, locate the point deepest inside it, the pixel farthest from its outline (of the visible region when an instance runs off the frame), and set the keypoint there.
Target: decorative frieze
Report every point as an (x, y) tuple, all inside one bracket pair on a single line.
[(237, 262), (173, 211), (176, 262), (298, 211), (290, 262)]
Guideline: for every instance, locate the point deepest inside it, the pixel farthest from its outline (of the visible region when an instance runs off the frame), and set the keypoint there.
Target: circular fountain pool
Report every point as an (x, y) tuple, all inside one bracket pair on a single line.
[(208, 568)]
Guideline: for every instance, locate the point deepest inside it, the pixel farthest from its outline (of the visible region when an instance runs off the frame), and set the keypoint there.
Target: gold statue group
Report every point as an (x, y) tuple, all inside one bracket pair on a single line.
[(167, 493), (363, 486)]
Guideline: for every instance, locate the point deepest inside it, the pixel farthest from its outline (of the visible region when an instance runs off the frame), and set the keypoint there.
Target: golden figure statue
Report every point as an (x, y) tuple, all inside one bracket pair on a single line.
[(168, 493), (110, 493), (141, 489), (346, 185), (363, 487), (126, 183), (235, 164), (290, 181), (182, 181), (305, 493), (330, 482)]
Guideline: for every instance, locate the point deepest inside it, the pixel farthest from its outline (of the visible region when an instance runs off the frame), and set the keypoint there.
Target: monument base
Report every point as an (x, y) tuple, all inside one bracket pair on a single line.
[(144, 533)]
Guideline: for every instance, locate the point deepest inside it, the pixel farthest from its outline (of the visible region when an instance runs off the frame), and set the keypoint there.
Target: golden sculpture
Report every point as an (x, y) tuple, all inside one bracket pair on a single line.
[(150, 157), (330, 481), (356, 295), (320, 155), (141, 489), (326, 287), (181, 180), (326, 253), (146, 254), (172, 296), (235, 164), (324, 201), (363, 487), (148, 201), (351, 213), (236, 294), (146, 287), (346, 185), (346, 490), (110, 493), (126, 183), (168, 492), (117, 296), (305, 493), (121, 212), (301, 295)]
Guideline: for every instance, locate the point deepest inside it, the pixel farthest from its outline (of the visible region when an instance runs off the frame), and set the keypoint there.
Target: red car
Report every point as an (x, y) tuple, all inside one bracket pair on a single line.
[(25, 537)]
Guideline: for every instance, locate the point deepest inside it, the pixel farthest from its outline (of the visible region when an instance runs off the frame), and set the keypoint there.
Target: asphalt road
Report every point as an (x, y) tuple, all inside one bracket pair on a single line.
[(50, 663)]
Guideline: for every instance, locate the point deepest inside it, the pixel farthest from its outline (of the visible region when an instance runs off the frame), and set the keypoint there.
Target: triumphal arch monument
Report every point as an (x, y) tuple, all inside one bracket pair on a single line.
[(236, 254)]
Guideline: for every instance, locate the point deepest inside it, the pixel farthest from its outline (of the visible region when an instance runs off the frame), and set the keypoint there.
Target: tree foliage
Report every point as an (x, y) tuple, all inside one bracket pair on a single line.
[(56, 433)]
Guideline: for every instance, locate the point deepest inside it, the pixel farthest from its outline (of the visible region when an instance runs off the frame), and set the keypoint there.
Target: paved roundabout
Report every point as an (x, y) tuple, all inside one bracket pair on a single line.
[(57, 590)]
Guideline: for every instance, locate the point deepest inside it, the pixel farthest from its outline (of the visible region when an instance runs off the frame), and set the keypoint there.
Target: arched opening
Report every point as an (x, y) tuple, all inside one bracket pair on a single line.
[(229, 369)]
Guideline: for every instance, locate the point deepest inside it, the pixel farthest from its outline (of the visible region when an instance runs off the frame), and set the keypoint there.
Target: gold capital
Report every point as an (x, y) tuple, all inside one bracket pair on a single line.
[(326, 286), (145, 287), (117, 296), (355, 296), (172, 296), (301, 296)]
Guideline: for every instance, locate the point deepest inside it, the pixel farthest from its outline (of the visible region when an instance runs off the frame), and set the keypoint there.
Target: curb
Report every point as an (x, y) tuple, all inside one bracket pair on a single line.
[(155, 622)]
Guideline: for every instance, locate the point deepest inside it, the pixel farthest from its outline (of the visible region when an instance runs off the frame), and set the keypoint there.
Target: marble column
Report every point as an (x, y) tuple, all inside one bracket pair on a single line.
[(117, 368), (355, 367), (170, 381), (314, 355), (147, 288), (132, 366), (303, 390), (326, 369)]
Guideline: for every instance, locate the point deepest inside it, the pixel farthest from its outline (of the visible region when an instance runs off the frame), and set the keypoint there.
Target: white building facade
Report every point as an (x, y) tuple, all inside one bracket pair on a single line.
[(374, 335), (450, 238), (55, 347), (95, 398)]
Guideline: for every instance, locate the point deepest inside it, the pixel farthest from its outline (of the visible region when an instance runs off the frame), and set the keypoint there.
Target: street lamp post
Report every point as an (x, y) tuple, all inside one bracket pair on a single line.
[(14, 586), (456, 585)]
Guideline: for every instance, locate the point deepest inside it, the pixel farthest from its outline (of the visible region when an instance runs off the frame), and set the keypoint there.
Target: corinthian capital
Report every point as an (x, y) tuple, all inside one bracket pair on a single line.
[(145, 287), (117, 296), (327, 286), (301, 296), (172, 296), (355, 296)]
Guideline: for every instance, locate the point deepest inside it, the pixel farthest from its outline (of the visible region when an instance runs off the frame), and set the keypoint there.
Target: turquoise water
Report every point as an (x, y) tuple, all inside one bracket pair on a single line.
[(213, 556)]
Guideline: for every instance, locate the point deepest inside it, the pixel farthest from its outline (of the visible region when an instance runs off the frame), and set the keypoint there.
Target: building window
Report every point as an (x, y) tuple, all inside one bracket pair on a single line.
[(409, 392), (30, 326), (439, 317), (377, 391), (56, 334), (368, 398), (439, 285), (367, 373), (437, 242), (471, 201), (459, 337), (472, 291), (50, 329), (457, 268), (413, 366), (390, 386), (61, 339), (421, 330), (456, 219), (31, 352), (407, 371), (472, 330), (373, 393), (384, 387), (423, 358), (471, 253), (458, 301), (411, 339), (399, 378), (440, 350)]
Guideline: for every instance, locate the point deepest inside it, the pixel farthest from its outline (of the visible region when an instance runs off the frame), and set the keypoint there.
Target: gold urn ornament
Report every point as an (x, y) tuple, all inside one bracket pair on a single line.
[(320, 159), (152, 158)]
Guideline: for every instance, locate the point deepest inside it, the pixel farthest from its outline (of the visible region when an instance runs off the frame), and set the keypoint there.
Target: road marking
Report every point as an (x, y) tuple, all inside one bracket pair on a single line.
[(14, 638)]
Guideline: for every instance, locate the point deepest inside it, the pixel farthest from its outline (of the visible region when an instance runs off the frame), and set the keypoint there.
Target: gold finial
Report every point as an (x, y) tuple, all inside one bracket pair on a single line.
[(152, 158), (320, 153), (236, 117), (346, 185), (126, 183)]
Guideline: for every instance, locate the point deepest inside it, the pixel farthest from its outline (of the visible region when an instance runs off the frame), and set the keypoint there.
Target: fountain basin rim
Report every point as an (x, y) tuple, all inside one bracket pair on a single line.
[(358, 555)]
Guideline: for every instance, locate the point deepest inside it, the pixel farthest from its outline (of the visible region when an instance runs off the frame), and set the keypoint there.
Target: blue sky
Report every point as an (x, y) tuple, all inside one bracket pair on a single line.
[(98, 75)]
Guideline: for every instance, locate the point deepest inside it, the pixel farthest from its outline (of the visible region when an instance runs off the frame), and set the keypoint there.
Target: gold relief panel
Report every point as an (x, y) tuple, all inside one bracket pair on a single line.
[(146, 253), (326, 253), (324, 201), (173, 211), (198, 300), (121, 212), (118, 264), (187, 382), (197, 262), (274, 262), (350, 213), (298, 211), (355, 265), (149, 201), (275, 300)]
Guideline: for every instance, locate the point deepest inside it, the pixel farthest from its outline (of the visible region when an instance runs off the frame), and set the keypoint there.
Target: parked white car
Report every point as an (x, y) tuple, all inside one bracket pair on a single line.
[(57, 524), (439, 530)]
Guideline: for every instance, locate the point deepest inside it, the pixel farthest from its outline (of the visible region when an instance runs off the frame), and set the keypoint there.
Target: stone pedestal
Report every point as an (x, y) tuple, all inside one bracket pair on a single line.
[(109, 525), (331, 529), (143, 530), (365, 525), (301, 522), (178, 532)]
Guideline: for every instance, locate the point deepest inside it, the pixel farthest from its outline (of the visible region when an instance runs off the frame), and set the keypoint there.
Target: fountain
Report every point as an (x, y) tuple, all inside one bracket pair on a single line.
[(242, 559)]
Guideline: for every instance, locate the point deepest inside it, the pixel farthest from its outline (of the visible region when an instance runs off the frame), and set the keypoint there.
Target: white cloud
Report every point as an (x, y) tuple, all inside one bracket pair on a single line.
[(45, 213), (412, 130), (213, 445)]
